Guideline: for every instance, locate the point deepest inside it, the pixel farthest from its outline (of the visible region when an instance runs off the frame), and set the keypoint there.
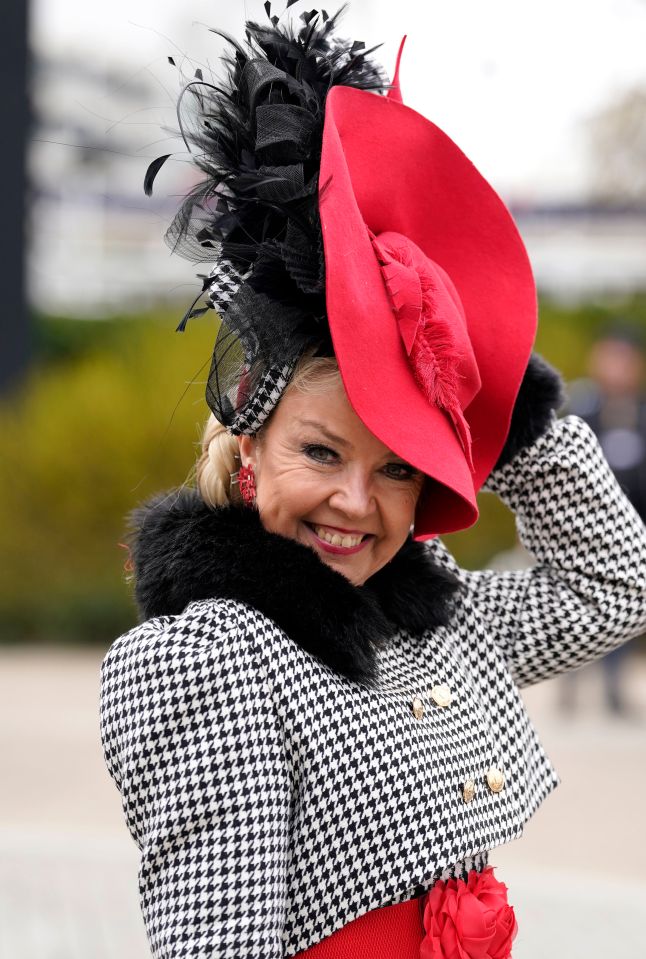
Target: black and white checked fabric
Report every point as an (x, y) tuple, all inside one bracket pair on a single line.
[(224, 281), (274, 800), (589, 546), (269, 391)]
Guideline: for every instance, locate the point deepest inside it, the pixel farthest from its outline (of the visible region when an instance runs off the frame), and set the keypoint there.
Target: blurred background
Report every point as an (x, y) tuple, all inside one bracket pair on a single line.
[(101, 404)]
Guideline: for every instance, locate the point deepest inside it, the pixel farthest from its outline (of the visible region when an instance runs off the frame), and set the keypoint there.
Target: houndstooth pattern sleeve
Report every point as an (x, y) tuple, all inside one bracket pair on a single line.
[(191, 737), (587, 592)]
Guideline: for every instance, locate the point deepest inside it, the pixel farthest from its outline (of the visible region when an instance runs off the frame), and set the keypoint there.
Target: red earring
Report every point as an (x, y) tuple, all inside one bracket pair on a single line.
[(247, 485)]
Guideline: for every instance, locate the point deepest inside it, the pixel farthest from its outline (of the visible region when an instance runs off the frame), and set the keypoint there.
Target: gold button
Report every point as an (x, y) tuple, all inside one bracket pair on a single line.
[(441, 695), (495, 779), (418, 708), (468, 790)]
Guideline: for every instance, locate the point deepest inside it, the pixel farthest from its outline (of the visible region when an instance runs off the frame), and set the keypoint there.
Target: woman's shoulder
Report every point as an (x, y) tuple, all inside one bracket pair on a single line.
[(214, 635), (171, 678)]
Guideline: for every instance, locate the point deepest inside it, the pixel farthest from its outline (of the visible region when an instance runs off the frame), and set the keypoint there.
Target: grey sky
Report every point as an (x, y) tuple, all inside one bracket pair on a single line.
[(512, 81)]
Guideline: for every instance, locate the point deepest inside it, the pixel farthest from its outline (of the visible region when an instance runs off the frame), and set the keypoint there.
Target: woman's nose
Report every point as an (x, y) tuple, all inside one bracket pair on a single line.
[(354, 496)]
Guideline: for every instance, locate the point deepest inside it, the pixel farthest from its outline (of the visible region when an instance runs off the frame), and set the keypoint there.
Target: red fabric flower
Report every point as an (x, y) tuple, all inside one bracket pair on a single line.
[(468, 919), (433, 328)]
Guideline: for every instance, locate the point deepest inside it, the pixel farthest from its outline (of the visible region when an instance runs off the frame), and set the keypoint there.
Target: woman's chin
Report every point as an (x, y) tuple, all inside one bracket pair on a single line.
[(351, 563), (356, 569)]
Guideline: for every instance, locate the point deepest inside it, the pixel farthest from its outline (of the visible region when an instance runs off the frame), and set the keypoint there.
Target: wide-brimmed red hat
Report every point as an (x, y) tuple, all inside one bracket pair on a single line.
[(423, 290), (430, 297)]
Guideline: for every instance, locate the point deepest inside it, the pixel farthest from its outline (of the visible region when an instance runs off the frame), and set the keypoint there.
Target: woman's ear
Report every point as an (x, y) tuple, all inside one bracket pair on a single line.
[(248, 450)]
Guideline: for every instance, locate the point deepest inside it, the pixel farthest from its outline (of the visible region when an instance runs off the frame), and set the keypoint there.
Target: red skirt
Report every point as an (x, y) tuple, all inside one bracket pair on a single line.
[(455, 917), (392, 932)]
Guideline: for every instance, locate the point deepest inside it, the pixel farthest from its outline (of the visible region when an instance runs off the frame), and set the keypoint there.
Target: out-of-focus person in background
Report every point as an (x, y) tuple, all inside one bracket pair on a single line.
[(612, 400)]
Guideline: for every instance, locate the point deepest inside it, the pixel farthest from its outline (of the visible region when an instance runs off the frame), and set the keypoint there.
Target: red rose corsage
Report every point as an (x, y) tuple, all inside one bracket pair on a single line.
[(468, 919)]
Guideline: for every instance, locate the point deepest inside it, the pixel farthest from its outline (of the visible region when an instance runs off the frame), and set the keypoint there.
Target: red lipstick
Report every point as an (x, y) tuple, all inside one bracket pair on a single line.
[(338, 550)]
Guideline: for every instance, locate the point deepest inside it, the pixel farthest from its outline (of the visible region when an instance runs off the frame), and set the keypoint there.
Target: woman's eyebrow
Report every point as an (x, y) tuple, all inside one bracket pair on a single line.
[(330, 436)]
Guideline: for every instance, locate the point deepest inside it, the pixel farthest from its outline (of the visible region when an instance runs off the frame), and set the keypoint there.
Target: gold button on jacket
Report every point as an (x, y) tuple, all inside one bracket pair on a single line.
[(418, 708), (441, 694), (495, 779), (468, 790)]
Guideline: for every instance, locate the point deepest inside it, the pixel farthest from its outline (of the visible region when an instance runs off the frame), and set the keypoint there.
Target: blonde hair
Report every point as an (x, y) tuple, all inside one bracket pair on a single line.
[(218, 461), (220, 458)]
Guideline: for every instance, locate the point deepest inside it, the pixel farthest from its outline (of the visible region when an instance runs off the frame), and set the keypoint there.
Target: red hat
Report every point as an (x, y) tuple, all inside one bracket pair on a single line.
[(430, 296), (426, 295)]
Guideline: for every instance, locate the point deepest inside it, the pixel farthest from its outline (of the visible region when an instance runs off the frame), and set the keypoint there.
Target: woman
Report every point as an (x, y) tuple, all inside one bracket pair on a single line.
[(317, 730)]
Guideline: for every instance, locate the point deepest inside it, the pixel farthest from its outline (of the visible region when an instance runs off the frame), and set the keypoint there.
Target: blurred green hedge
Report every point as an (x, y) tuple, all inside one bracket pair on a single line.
[(111, 412), (109, 416), (565, 334)]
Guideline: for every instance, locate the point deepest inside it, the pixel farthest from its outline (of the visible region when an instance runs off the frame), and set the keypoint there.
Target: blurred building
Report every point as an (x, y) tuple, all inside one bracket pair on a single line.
[(96, 240), (583, 250)]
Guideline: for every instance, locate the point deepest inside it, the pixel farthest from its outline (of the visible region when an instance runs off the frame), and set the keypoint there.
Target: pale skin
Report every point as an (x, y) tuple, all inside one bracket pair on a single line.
[(323, 479)]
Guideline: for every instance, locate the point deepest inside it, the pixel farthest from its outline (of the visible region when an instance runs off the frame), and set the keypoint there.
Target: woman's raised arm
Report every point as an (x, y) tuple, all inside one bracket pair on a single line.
[(587, 591)]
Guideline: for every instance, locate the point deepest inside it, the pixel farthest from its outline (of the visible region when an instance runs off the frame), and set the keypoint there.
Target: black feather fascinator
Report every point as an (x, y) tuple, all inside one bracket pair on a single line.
[(256, 135)]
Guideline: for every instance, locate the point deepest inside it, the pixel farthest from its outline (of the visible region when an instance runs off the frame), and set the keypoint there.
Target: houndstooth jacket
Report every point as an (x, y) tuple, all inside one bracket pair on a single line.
[(259, 724)]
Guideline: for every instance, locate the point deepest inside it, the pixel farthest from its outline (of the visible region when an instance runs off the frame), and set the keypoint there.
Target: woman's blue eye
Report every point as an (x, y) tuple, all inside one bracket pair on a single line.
[(400, 471), (322, 454)]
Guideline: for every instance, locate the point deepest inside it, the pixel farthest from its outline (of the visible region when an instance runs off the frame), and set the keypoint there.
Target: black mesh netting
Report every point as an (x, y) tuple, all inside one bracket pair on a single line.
[(259, 342)]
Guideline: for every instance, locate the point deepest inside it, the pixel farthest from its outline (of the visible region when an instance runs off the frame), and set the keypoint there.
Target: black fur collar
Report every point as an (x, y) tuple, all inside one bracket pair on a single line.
[(183, 550)]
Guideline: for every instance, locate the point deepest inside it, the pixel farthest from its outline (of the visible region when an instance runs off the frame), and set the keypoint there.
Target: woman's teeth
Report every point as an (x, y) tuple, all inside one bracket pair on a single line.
[(336, 539)]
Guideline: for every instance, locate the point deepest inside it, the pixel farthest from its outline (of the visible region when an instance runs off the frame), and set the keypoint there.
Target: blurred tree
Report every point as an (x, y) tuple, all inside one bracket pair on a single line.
[(15, 115), (618, 142)]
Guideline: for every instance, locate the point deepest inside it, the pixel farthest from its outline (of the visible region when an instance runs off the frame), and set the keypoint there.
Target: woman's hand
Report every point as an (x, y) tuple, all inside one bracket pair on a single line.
[(541, 394)]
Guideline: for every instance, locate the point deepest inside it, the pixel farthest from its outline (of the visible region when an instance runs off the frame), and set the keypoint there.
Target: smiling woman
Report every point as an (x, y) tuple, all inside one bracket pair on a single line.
[(324, 480), (321, 477), (317, 729)]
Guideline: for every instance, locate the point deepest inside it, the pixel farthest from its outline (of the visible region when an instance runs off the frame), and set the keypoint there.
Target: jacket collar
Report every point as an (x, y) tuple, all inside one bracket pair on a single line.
[(183, 550)]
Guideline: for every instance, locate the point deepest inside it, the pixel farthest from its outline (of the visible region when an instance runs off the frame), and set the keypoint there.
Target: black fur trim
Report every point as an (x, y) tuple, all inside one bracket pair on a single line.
[(541, 393), (183, 550)]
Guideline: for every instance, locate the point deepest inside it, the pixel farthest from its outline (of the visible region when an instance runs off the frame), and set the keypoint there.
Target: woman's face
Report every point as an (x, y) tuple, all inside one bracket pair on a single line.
[(323, 479)]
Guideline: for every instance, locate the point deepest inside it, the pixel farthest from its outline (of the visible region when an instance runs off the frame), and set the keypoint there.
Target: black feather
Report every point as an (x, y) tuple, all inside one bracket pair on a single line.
[(256, 135), (191, 313), (267, 111), (152, 172)]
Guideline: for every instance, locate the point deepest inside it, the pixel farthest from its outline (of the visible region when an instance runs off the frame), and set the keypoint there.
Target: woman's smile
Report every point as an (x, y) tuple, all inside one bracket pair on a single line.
[(334, 539)]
